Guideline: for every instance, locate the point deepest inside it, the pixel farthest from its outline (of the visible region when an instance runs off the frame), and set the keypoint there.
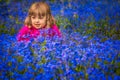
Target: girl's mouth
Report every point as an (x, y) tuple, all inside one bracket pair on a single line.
[(37, 24)]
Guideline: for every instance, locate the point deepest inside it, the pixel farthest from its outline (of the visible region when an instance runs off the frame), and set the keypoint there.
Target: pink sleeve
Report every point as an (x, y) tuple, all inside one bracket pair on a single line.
[(21, 34), (55, 28)]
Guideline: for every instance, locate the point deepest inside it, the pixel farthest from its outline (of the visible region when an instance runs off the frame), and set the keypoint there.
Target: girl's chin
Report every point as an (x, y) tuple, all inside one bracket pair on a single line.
[(38, 27)]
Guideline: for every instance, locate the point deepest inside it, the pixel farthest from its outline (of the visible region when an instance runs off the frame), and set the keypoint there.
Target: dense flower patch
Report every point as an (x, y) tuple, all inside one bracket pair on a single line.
[(70, 57)]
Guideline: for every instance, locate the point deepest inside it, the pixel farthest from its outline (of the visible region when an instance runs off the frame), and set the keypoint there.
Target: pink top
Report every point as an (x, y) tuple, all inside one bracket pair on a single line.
[(26, 33)]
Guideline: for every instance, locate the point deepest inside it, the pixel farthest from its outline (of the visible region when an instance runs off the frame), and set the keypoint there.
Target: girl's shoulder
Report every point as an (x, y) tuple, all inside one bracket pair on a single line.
[(54, 26), (56, 30), (24, 29), (22, 33)]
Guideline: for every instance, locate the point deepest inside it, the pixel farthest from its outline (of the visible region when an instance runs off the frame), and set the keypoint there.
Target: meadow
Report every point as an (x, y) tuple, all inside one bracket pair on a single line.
[(89, 48)]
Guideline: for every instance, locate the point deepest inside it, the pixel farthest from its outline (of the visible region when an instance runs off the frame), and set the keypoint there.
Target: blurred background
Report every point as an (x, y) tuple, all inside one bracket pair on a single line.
[(88, 17)]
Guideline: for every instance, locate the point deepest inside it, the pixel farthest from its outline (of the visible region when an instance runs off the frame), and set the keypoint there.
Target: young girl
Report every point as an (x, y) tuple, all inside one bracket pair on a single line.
[(39, 17)]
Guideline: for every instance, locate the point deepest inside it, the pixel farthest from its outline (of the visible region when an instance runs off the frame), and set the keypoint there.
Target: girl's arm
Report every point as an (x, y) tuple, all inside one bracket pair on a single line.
[(22, 34)]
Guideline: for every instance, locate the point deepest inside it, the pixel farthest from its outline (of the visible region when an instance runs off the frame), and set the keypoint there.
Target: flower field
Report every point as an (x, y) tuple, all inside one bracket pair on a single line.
[(89, 48)]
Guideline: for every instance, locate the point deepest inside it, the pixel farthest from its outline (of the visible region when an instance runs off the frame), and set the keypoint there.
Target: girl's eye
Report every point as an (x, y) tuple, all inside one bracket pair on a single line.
[(33, 17), (41, 17)]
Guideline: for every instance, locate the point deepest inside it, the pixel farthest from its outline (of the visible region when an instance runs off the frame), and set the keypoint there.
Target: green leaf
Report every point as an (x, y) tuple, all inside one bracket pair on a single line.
[(41, 70), (79, 68), (43, 60), (12, 31), (9, 73), (35, 55), (9, 63), (19, 59), (43, 49), (96, 65), (117, 71), (86, 76), (44, 43), (22, 71), (113, 62)]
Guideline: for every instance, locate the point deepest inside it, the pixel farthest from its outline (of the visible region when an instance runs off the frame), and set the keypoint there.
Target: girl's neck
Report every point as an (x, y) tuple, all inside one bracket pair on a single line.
[(39, 28)]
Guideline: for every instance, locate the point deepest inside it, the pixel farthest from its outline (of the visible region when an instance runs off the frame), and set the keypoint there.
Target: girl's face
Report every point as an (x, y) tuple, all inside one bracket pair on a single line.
[(38, 21)]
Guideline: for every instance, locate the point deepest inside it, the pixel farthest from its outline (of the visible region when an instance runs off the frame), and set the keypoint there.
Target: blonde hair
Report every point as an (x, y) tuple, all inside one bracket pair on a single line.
[(40, 9)]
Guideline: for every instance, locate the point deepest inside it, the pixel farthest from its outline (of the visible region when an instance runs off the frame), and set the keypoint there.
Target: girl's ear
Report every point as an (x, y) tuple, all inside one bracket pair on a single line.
[(27, 21)]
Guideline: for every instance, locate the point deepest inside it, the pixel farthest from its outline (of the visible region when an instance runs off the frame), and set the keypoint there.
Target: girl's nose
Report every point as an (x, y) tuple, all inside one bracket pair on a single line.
[(37, 20)]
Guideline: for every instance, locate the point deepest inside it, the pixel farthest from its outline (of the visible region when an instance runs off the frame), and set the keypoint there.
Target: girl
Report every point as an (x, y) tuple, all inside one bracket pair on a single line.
[(39, 17)]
